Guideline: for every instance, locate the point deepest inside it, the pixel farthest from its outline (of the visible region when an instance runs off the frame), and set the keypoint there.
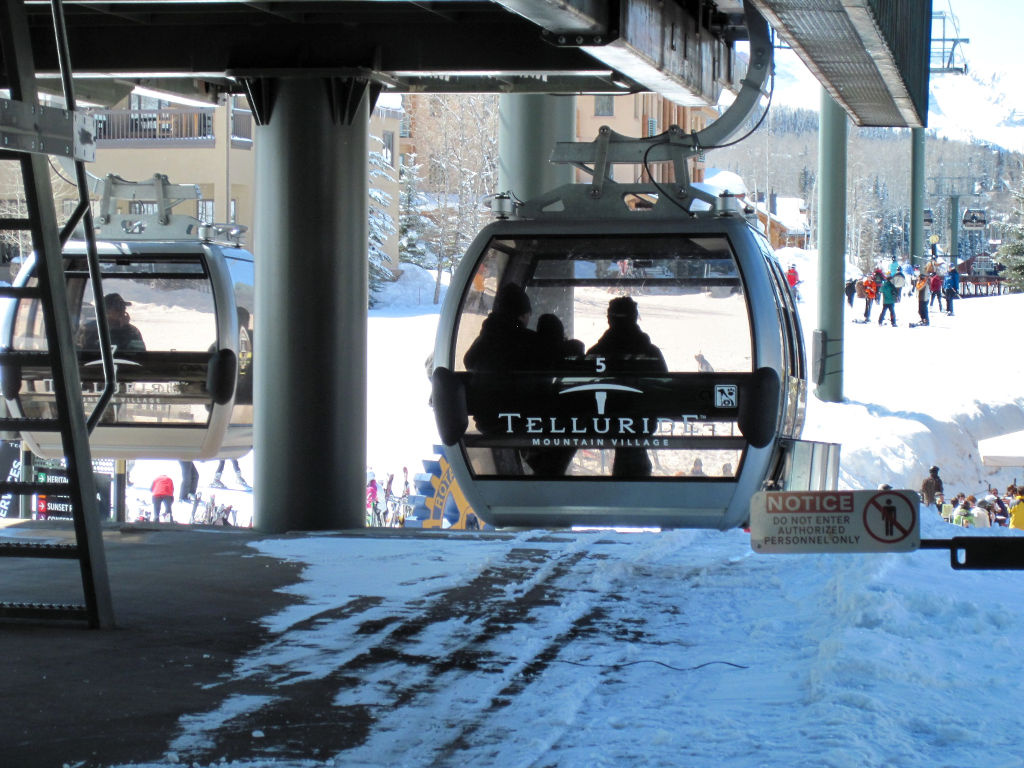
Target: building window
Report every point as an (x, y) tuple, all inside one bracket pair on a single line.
[(604, 106), (388, 147), (652, 126), (204, 211), (405, 126)]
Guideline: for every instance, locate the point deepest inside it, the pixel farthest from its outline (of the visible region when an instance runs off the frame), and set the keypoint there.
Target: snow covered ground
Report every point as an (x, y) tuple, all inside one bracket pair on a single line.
[(680, 648)]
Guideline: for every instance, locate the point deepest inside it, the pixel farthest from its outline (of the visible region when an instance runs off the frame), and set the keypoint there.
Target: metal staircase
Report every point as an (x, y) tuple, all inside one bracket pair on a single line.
[(28, 134)]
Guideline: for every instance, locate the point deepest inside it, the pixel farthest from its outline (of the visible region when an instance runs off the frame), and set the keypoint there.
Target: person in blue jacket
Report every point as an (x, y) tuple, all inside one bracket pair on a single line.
[(951, 287), (888, 293)]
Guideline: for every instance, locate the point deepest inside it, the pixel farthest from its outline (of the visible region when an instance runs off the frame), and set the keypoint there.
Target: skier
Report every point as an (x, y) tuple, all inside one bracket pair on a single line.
[(922, 299), (935, 286), (218, 483), (793, 278), (371, 497), (951, 287), (889, 292), (870, 286)]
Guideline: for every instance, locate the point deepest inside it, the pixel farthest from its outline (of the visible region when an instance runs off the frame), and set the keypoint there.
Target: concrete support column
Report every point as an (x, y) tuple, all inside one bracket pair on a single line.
[(828, 346), (916, 195), (528, 127), (311, 296)]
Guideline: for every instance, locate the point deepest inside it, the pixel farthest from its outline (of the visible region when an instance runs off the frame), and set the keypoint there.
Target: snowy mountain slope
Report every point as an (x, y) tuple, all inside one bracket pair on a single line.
[(978, 106)]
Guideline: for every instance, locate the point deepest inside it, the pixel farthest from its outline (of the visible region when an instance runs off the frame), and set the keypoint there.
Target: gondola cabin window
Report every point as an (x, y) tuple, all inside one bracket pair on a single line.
[(596, 356), (162, 321)]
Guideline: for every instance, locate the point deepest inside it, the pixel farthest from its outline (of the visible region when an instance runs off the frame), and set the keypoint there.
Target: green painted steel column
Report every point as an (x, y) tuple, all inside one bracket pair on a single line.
[(917, 159), (529, 125), (954, 229), (828, 346), (311, 297)]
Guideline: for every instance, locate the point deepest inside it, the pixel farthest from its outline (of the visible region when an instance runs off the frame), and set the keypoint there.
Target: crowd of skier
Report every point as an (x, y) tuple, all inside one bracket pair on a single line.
[(993, 509), (933, 284)]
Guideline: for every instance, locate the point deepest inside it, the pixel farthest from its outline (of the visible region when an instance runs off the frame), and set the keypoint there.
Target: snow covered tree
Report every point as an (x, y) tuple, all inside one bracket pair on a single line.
[(1011, 252), (382, 226), (416, 230), (458, 136)]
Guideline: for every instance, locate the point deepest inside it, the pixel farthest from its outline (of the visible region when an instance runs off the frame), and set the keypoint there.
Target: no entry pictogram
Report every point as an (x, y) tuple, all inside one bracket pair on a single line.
[(889, 517)]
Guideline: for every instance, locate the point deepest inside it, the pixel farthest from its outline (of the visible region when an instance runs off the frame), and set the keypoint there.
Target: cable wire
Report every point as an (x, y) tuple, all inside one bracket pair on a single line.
[(648, 661)]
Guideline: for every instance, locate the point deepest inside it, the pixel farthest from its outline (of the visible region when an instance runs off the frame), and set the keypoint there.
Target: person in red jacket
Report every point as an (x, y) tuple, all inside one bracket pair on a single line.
[(935, 286), (163, 495)]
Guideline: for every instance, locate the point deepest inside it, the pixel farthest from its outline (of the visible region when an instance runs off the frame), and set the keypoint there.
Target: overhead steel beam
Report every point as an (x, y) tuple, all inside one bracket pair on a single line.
[(870, 55), (682, 52), (571, 17), (204, 50)]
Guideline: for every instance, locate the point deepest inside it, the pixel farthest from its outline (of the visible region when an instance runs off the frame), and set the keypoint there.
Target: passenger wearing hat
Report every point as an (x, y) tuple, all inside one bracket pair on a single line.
[(505, 343), (124, 336), (505, 346), (931, 486), (624, 348)]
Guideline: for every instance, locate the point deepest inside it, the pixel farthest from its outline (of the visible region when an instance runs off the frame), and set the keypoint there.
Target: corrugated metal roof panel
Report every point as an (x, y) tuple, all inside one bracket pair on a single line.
[(871, 55)]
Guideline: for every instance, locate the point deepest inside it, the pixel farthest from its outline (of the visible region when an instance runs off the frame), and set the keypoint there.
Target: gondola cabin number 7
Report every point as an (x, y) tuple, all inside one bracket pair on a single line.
[(835, 521)]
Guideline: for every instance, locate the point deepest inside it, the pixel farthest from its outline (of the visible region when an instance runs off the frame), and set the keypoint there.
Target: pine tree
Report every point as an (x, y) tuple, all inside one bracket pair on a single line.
[(416, 230), (1011, 252), (381, 225)]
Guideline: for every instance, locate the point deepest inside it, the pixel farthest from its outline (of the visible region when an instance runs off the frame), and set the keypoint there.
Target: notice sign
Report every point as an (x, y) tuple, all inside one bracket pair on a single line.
[(834, 521)]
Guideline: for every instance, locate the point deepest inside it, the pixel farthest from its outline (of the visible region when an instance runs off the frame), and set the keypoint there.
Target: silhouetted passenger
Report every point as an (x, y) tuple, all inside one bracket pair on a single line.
[(627, 349), (554, 348), (505, 346), (505, 343), (624, 346), (555, 353), (124, 336)]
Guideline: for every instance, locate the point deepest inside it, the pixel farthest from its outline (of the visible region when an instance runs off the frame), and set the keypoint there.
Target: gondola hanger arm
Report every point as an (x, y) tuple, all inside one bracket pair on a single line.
[(674, 144)]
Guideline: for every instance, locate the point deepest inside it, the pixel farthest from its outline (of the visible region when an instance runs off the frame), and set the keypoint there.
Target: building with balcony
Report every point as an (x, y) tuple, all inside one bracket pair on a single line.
[(209, 146)]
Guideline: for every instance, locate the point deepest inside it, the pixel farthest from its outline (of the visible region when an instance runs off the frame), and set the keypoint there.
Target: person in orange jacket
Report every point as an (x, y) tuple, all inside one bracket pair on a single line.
[(870, 294)]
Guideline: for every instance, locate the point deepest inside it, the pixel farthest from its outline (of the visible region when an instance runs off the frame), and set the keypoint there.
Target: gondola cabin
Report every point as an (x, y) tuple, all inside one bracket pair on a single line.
[(612, 365), (974, 218), (617, 354), (178, 300)]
